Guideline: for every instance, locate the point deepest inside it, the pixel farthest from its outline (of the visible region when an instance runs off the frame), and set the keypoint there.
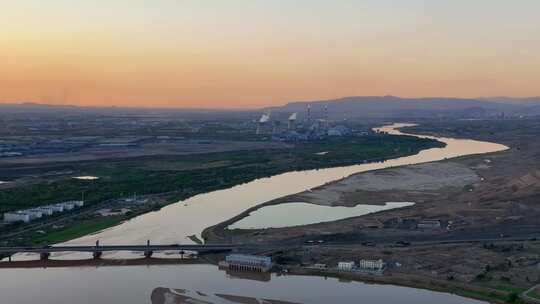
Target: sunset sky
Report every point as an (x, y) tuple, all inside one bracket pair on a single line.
[(234, 53)]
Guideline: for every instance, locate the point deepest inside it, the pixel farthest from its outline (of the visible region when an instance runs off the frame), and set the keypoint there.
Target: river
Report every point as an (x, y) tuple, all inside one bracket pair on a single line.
[(174, 223)]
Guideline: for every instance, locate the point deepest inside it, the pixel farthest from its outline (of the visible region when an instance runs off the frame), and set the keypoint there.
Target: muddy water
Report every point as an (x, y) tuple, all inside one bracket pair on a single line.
[(131, 285), (173, 224)]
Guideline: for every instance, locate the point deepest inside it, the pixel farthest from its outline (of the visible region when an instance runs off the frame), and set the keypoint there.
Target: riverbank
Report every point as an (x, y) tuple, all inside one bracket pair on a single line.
[(464, 290), (498, 201), (415, 183), (175, 222), (170, 179)]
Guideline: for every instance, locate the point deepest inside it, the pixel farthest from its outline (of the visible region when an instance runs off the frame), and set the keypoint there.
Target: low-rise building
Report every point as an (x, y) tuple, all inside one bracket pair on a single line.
[(57, 207), (34, 213), (17, 216), (247, 262), (46, 210), (68, 206), (371, 265), (75, 204), (28, 215), (345, 266)]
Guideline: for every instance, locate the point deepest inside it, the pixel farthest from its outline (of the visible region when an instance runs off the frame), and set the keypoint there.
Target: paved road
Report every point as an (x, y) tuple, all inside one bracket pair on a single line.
[(532, 237), (525, 295)]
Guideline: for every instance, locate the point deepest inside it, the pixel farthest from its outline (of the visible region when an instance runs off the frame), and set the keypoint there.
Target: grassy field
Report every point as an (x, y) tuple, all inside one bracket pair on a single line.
[(192, 174), (534, 294)]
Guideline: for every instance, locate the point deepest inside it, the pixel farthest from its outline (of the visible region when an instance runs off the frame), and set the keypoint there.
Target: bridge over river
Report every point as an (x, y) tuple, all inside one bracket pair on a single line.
[(97, 250)]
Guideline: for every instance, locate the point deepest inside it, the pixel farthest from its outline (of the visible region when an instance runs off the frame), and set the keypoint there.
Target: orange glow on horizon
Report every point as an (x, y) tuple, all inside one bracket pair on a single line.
[(186, 54)]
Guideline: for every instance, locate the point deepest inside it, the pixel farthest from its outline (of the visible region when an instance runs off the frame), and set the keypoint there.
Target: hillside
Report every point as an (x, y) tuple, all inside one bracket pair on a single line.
[(391, 106)]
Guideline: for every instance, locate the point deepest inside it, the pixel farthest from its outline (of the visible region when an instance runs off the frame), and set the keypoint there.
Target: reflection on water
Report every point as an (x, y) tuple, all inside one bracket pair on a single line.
[(296, 214), (248, 275), (36, 263), (173, 224), (179, 296), (136, 284)]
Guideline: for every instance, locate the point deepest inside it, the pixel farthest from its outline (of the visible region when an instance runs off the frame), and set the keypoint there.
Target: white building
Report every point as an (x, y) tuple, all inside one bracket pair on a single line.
[(74, 203), (68, 206), (345, 266), (372, 265), (17, 216), (34, 213), (46, 210), (57, 207)]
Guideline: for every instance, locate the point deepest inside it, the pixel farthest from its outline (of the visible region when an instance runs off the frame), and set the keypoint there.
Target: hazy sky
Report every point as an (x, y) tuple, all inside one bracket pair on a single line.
[(234, 53)]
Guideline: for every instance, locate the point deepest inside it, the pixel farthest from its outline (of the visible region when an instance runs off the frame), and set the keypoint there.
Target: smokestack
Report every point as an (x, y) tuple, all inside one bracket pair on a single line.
[(292, 121)]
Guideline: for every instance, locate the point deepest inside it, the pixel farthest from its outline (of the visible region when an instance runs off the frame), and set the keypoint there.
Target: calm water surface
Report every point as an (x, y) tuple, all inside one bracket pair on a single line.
[(296, 214), (174, 223), (86, 177), (131, 285)]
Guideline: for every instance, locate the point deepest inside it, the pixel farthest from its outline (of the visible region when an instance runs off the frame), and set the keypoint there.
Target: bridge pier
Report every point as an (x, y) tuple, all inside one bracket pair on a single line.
[(148, 253), (44, 256), (97, 254), (5, 255)]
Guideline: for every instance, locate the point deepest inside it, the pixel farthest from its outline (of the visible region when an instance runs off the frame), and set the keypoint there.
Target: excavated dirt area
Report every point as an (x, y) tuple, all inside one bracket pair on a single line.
[(403, 184), (482, 196)]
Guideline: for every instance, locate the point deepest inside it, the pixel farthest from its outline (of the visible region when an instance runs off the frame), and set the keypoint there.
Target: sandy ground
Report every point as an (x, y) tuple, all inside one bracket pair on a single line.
[(490, 265), (483, 196), (412, 180)]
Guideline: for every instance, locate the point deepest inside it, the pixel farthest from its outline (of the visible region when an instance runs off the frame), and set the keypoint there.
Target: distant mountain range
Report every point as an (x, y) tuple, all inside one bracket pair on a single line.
[(391, 106), (524, 100), (346, 107)]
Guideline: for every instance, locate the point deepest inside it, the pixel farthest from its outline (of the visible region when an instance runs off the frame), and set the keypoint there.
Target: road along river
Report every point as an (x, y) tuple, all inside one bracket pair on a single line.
[(174, 223)]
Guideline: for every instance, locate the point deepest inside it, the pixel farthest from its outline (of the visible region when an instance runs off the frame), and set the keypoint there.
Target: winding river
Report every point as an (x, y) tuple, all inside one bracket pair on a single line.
[(174, 223)]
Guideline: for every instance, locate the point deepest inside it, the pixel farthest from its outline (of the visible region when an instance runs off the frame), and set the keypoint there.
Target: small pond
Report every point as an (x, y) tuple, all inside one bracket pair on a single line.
[(86, 177), (300, 213)]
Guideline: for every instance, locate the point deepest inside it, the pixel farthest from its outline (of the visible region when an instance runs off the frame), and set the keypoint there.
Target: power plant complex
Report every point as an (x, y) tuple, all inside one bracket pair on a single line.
[(312, 126)]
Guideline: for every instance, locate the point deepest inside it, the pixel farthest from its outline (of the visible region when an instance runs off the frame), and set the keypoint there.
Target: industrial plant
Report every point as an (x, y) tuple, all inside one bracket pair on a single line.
[(311, 126), (247, 262)]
